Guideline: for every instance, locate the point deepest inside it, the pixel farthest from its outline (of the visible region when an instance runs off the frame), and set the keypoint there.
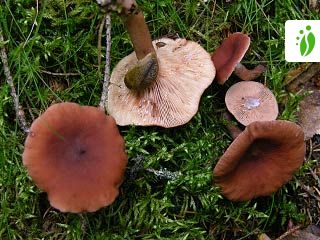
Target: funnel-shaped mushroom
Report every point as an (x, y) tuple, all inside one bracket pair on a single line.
[(260, 160), (251, 101), (76, 154), (185, 71), (227, 57)]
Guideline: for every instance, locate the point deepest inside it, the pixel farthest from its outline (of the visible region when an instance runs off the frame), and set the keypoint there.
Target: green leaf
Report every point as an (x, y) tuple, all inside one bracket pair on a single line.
[(303, 46), (311, 41)]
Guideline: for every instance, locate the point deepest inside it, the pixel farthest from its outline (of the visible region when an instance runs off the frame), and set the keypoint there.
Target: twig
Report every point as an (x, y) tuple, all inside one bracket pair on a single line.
[(18, 109), (289, 232), (106, 80), (316, 178), (60, 74), (309, 190), (30, 112)]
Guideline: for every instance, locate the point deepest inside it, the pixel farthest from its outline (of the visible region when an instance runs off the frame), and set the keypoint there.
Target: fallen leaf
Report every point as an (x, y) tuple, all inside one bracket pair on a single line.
[(301, 235), (263, 236), (306, 79), (314, 5), (312, 232), (309, 115)]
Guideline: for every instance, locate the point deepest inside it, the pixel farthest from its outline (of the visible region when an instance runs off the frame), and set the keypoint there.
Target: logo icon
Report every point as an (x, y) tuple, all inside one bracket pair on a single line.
[(302, 41), (307, 41)]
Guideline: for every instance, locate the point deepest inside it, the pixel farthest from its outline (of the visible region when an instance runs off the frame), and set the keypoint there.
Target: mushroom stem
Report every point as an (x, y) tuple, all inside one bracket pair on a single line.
[(145, 72), (247, 75), (137, 28), (135, 24), (234, 130), (139, 33)]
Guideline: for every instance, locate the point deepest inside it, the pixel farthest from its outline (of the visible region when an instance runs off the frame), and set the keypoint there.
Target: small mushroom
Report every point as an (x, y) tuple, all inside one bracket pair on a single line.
[(260, 160), (185, 71), (227, 59), (76, 154), (250, 102)]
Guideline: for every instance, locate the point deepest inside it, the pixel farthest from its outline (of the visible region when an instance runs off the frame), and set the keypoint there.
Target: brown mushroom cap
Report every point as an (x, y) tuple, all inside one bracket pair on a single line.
[(185, 71), (229, 54), (250, 102), (260, 160), (76, 154)]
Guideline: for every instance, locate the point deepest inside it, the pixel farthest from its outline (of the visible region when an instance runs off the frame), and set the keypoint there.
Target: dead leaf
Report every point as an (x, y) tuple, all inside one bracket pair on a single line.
[(299, 76), (306, 79), (263, 236), (309, 115), (314, 5), (312, 232), (301, 235)]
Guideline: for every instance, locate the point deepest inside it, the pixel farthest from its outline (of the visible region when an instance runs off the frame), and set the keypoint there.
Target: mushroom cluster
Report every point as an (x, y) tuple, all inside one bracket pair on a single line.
[(265, 155), (77, 155)]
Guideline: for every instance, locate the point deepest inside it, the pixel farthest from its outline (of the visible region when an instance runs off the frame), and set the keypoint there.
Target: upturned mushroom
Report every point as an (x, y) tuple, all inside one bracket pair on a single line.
[(181, 70), (76, 154), (251, 101), (260, 160), (227, 57)]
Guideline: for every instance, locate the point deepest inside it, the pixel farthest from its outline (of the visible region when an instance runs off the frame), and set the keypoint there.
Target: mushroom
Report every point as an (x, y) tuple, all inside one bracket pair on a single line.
[(76, 154), (162, 81), (260, 160), (251, 101), (185, 71), (227, 57)]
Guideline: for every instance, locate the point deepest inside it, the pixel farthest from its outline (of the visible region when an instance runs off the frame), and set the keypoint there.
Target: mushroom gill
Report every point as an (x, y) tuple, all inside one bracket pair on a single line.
[(185, 71)]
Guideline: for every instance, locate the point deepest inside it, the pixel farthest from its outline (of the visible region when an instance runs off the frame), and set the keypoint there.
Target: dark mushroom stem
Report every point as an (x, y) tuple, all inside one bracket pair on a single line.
[(145, 72), (234, 130)]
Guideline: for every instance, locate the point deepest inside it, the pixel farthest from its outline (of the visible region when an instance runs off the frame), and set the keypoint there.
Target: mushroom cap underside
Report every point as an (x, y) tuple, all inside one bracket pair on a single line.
[(185, 71), (251, 101), (260, 160), (77, 155)]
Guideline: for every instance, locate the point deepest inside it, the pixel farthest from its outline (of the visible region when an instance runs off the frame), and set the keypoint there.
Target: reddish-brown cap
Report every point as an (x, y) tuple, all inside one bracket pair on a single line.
[(229, 54), (260, 160), (185, 71), (76, 154), (251, 101)]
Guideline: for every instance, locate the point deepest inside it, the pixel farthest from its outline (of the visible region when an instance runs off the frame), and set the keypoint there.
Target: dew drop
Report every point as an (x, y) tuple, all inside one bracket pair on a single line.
[(251, 103)]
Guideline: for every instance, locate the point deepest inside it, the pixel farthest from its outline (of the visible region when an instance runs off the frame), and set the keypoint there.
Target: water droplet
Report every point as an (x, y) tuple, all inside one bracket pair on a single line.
[(32, 134), (251, 103)]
